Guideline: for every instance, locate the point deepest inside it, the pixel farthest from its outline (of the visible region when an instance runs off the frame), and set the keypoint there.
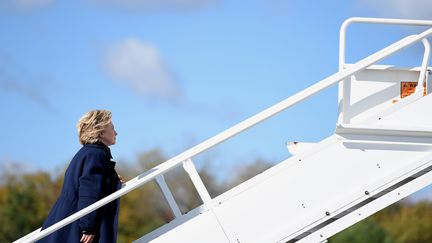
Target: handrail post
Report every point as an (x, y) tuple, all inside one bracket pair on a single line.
[(423, 70), (160, 180), (189, 167)]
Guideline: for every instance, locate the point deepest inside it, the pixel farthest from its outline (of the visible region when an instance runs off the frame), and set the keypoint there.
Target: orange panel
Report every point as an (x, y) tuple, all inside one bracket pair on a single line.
[(407, 88)]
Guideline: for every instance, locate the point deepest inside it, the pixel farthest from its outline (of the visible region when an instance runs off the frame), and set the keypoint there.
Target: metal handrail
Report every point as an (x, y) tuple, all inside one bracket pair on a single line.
[(240, 127), (348, 22), (344, 93)]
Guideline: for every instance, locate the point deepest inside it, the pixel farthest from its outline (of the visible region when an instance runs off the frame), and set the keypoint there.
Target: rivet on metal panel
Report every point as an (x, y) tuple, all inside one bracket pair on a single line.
[(366, 192), (328, 213)]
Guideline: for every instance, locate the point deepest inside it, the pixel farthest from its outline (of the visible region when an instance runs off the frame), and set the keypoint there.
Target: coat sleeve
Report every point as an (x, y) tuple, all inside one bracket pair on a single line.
[(92, 184)]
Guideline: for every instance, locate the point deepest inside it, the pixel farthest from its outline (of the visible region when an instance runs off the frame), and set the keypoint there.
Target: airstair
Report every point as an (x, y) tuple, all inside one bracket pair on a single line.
[(380, 152)]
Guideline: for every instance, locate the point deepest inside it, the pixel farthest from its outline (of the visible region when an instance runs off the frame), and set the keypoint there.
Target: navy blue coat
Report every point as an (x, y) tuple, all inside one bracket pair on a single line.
[(89, 177)]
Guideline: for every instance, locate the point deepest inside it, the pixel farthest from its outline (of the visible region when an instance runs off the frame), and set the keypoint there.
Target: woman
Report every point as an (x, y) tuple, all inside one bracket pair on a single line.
[(89, 177)]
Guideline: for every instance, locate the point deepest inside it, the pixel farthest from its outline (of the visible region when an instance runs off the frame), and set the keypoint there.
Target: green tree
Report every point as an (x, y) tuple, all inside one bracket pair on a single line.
[(364, 231), (412, 223), (25, 201), (245, 171), (399, 223)]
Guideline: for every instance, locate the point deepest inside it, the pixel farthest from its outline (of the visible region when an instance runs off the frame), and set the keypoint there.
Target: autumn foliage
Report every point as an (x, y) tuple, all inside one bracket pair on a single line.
[(26, 198)]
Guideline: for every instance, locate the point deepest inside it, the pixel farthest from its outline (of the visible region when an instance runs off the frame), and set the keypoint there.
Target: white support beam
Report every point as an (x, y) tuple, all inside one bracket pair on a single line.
[(160, 179), (189, 167)]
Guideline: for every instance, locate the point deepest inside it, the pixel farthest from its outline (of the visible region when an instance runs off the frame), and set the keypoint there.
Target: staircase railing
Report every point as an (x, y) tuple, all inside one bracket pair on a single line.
[(185, 157), (344, 97)]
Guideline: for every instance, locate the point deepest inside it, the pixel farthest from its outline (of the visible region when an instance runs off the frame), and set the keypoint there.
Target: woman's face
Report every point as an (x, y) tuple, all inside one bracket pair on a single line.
[(108, 136)]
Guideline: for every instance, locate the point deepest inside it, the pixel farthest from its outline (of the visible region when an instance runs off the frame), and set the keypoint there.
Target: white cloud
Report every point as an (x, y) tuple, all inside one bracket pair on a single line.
[(414, 9), (25, 5), (141, 67), (151, 5)]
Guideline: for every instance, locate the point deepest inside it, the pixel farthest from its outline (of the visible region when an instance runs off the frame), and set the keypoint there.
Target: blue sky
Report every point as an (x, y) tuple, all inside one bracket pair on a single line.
[(176, 72)]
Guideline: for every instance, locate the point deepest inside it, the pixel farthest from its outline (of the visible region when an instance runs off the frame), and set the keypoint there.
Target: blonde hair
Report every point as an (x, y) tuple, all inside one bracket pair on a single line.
[(91, 125)]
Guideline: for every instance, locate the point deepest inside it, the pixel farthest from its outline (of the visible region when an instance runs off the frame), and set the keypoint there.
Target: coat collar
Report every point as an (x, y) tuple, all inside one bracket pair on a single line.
[(102, 146)]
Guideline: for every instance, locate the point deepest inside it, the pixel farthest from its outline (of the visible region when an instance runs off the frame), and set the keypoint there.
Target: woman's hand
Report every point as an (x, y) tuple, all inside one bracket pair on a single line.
[(121, 180), (87, 238)]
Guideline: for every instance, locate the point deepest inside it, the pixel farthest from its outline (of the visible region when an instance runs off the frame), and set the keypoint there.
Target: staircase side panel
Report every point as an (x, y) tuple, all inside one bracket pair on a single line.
[(202, 228), (319, 185)]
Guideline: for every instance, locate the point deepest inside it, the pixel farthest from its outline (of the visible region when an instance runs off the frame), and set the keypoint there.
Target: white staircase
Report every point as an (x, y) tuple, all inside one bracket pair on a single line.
[(381, 152), (320, 190)]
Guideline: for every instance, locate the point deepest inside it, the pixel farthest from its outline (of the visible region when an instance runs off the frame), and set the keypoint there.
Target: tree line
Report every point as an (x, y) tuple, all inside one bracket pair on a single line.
[(25, 200)]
